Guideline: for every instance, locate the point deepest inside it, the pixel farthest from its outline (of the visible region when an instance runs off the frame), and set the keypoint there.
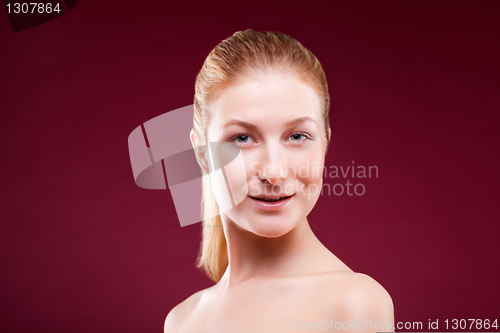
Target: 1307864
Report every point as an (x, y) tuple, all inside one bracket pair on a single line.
[(32, 8), (478, 324)]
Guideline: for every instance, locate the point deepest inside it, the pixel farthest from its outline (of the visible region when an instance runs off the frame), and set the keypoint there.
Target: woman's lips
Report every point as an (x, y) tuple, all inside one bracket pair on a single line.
[(271, 206)]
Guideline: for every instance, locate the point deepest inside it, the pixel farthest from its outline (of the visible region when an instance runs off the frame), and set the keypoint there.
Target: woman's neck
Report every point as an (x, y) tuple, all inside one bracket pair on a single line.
[(298, 252)]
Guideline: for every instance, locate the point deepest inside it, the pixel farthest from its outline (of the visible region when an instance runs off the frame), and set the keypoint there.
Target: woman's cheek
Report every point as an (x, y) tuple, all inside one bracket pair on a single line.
[(229, 180), (310, 174)]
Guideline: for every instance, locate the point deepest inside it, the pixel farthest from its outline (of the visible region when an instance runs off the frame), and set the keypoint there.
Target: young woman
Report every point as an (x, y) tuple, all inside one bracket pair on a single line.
[(266, 94)]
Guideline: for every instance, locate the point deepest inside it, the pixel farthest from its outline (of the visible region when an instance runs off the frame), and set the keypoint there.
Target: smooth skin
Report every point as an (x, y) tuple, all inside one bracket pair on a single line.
[(280, 277)]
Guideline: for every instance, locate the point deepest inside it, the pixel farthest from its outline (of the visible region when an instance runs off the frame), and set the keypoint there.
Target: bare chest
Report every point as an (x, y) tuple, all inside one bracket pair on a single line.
[(275, 308)]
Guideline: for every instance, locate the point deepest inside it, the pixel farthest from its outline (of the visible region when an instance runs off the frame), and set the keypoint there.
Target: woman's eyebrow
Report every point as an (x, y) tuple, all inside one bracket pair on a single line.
[(240, 123), (298, 121), (252, 126)]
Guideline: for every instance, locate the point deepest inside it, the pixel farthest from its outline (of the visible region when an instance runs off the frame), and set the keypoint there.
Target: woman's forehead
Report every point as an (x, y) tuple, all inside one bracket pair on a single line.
[(276, 99)]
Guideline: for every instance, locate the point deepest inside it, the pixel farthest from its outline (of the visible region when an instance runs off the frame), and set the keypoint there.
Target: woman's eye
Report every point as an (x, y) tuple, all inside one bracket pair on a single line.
[(242, 138), (298, 137)]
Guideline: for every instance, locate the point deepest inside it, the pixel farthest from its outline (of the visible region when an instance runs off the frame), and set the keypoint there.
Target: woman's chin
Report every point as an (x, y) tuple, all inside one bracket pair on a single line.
[(271, 227)]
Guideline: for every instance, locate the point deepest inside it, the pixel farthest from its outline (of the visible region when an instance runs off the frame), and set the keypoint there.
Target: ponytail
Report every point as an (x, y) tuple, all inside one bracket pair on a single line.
[(213, 254)]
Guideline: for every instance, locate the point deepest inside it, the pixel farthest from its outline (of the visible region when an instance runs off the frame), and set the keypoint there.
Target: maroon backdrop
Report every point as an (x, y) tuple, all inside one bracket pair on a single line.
[(415, 92)]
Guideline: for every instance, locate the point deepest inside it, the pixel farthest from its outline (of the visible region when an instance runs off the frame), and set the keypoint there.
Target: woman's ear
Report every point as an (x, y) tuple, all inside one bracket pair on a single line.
[(201, 153), (329, 134)]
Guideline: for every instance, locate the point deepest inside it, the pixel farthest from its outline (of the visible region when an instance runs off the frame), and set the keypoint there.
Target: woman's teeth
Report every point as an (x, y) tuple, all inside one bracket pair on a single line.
[(271, 200)]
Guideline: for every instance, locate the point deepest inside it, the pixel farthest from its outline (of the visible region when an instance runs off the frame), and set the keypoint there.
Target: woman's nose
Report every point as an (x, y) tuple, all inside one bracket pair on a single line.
[(274, 167)]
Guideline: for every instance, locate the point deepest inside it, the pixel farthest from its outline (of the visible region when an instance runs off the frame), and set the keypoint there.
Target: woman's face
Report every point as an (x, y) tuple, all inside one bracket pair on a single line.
[(278, 125)]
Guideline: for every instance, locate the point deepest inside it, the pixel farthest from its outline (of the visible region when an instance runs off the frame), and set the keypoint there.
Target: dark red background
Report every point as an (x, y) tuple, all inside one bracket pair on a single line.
[(415, 91)]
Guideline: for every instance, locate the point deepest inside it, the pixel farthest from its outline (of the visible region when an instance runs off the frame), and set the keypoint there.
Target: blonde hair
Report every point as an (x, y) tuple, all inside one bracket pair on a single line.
[(245, 53)]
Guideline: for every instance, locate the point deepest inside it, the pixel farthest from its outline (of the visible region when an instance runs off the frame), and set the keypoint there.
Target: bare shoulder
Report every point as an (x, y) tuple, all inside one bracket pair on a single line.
[(359, 296), (362, 290), (180, 313)]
